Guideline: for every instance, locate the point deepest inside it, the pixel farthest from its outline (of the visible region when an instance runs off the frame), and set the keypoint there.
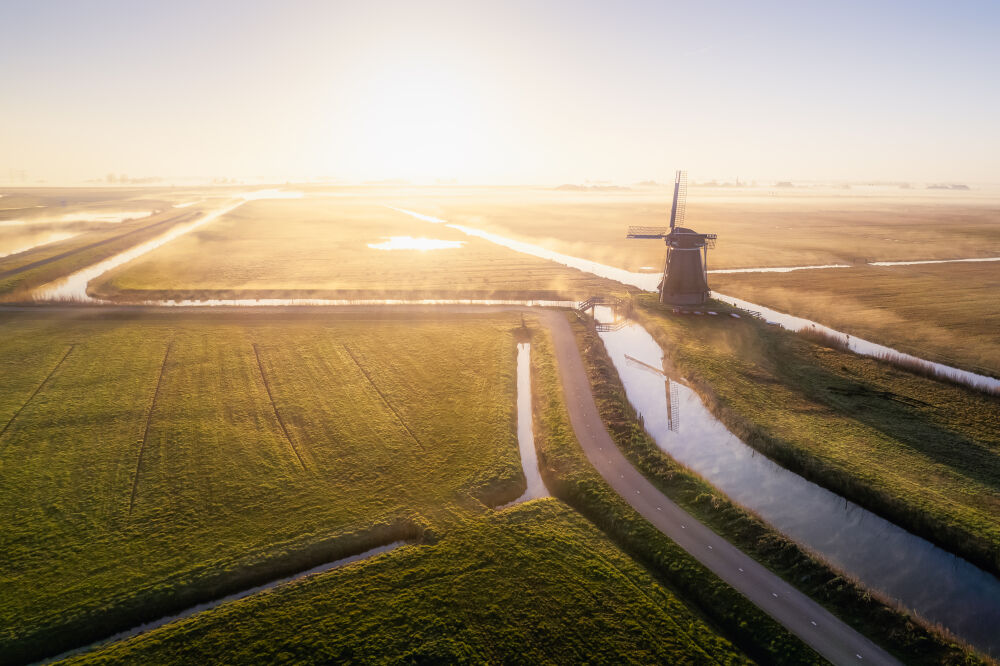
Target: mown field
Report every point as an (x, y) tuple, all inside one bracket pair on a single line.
[(756, 227), (150, 461), (923, 453), (944, 312), (533, 584), (319, 247)]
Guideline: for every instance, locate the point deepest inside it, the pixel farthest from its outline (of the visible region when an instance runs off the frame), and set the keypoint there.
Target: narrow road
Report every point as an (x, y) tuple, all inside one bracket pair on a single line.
[(805, 618), (817, 627)]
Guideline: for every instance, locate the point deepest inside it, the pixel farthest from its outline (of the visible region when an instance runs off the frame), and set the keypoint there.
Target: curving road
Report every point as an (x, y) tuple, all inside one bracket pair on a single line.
[(817, 627)]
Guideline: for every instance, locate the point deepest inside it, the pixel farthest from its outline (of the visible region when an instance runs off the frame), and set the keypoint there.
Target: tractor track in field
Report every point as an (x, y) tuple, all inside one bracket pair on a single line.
[(274, 406), (37, 389), (384, 398), (145, 430)]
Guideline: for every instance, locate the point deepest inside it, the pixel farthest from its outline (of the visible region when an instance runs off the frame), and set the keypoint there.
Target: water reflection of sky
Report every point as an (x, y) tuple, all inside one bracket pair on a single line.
[(411, 243), (885, 557)]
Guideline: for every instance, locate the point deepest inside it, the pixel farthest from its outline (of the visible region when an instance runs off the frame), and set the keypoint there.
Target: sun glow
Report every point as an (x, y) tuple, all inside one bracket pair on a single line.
[(420, 122)]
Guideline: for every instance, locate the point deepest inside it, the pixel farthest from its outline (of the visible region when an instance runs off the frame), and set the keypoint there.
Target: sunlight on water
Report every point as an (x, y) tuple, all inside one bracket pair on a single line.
[(525, 435), (411, 243), (778, 269)]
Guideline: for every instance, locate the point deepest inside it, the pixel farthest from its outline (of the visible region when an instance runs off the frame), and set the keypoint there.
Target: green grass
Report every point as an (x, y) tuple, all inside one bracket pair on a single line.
[(923, 453), (123, 501), (943, 312), (533, 584), (318, 248), (570, 477), (906, 637)]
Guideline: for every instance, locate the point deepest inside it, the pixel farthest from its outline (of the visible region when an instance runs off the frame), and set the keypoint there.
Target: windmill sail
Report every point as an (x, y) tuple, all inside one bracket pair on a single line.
[(678, 210)]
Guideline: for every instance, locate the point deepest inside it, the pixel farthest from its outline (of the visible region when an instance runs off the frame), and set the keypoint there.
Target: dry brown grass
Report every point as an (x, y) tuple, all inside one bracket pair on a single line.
[(755, 227), (948, 313), (319, 248)]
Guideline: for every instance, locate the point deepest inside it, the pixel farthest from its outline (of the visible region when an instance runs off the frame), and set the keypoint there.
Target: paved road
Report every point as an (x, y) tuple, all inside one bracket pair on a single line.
[(801, 615), (805, 618)]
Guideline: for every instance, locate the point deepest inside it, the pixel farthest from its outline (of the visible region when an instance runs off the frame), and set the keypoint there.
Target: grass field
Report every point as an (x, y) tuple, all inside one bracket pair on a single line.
[(944, 312), (151, 460), (756, 227), (534, 584), (319, 247), (923, 453)]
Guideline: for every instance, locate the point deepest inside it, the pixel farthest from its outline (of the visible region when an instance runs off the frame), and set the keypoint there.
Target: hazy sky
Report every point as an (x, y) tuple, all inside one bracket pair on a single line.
[(505, 91)]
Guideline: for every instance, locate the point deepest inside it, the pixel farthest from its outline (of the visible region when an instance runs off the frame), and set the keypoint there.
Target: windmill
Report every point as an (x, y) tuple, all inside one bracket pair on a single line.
[(669, 389), (685, 270)]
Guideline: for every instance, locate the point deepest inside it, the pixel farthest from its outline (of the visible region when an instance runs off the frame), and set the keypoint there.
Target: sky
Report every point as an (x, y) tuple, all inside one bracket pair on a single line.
[(504, 92)]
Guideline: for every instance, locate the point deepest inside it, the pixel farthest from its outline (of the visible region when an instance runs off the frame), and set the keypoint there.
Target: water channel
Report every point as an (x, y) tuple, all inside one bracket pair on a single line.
[(935, 584), (525, 430)]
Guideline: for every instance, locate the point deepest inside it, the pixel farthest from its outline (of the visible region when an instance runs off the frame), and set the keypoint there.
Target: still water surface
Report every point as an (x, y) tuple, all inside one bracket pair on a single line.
[(935, 584)]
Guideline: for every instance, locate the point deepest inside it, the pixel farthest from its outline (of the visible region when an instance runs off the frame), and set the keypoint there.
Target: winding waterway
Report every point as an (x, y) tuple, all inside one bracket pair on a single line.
[(649, 282), (933, 583), (525, 431)]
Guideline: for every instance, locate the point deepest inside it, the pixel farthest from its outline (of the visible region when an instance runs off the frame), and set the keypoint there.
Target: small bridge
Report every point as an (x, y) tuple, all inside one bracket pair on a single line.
[(609, 301)]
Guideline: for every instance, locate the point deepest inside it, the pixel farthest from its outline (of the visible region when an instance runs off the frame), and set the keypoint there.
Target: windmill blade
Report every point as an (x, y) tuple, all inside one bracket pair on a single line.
[(646, 232), (645, 366), (679, 208)]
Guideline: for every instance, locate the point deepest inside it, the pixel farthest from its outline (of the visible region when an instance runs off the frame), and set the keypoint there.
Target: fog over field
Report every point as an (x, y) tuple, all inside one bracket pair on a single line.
[(499, 332)]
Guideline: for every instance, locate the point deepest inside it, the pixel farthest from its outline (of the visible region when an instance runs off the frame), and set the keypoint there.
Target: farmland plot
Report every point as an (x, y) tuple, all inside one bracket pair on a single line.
[(150, 460)]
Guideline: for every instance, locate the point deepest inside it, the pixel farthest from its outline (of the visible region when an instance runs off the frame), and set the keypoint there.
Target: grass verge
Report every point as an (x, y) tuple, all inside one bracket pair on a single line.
[(924, 454)]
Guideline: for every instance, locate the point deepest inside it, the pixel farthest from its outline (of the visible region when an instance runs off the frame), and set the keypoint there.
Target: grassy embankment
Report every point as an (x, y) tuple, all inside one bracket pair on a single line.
[(533, 584), (948, 313), (146, 467), (319, 248), (923, 453), (900, 634), (18, 276), (570, 477)]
